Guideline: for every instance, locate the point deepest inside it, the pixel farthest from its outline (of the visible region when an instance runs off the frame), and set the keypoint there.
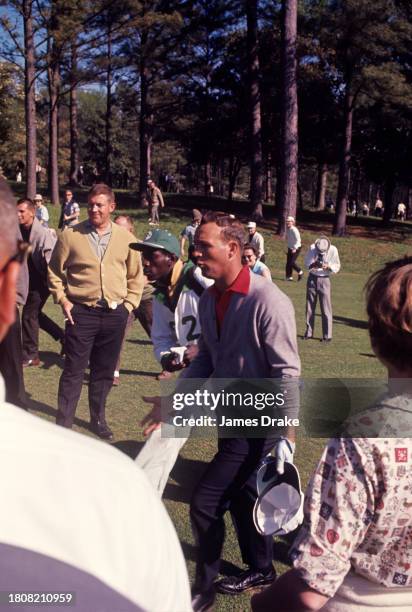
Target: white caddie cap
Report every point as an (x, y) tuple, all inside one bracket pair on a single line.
[(279, 507), (251, 225), (290, 219), (38, 196)]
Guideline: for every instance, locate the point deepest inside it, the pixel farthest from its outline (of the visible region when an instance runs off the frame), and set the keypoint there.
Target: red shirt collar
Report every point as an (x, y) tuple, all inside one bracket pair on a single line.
[(241, 284)]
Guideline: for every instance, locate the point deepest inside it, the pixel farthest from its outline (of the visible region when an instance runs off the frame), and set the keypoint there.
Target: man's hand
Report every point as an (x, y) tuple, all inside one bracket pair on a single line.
[(284, 451), (67, 311), (153, 418), (190, 353)]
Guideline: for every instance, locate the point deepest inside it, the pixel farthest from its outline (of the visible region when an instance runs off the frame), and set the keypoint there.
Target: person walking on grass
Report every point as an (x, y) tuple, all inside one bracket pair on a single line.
[(155, 199), (294, 248)]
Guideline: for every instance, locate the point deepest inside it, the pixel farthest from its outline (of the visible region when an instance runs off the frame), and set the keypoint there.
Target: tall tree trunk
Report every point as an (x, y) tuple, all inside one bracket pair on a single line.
[(339, 227), (108, 117), (289, 148), (234, 169), (145, 127), (54, 90), (256, 179), (74, 127), (321, 186), (390, 185), (268, 179), (30, 100), (207, 178)]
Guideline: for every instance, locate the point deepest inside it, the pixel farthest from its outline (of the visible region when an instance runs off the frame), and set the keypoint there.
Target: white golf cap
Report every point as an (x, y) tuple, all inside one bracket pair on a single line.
[(251, 225), (279, 507), (290, 219), (38, 196), (322, 244)]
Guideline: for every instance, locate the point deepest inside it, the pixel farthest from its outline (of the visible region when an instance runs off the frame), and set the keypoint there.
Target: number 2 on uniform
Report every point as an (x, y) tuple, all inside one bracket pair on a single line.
[(192, 320)]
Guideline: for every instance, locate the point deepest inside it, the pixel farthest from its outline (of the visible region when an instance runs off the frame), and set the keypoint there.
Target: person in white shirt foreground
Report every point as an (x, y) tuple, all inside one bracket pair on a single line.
[(322, 260), (294, 248), (76, 516), (354, 551)]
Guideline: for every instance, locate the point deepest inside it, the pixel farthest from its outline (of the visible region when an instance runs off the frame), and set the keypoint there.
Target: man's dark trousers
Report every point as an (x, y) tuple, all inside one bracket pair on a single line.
[(11, 364), (229, 483), (291, 262), (95, 337), (33, 318)]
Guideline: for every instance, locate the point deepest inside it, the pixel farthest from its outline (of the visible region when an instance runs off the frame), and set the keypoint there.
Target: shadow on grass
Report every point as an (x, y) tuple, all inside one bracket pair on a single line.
[(368, 355), (139, 373), (139, 342), (36, 406), (50, 359), (351, 322)]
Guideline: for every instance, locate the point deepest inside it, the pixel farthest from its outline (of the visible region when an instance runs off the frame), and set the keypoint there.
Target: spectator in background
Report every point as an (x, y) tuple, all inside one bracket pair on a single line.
[(97, 279), (257, 267), (189, 231), (42, 214), (354, 550), (70, 211), (42, 244), (256, 240), (365, 209), (401, 211), (107, 551), (155, 199), (322, 260), (378, 207), (294, 248)]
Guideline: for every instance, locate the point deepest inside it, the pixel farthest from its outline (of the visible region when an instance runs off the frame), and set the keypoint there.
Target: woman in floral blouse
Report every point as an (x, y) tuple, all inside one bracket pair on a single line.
[(354, 551)]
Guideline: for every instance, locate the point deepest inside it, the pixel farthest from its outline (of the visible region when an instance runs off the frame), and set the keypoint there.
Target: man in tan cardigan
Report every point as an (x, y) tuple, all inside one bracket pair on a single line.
[(97, 280)]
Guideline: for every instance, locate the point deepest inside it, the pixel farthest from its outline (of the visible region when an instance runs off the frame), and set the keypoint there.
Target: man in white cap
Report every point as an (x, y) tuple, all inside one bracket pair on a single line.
[(256, 240), (322, 260), (294, 247)]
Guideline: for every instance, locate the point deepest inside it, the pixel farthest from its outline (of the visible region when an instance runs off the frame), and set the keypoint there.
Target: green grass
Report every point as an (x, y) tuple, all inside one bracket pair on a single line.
[(348, 356)]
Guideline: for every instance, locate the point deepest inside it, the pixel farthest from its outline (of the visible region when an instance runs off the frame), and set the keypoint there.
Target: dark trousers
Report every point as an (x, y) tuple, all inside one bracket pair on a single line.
[(291, 262), (33, 318), (11, 367), (229, 483), (95, 337), (144, 314)]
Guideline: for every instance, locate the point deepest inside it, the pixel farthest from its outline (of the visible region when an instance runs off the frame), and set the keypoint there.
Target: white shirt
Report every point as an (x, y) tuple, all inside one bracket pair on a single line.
[(81, 502), (258, 242), (331, 258), (293, 237)]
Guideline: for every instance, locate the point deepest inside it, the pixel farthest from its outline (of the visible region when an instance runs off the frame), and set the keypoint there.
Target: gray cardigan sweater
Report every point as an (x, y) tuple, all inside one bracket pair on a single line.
[(257, 338)]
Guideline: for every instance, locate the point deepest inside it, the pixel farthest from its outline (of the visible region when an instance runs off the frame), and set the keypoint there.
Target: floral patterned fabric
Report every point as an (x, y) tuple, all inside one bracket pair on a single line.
[(358, 511)]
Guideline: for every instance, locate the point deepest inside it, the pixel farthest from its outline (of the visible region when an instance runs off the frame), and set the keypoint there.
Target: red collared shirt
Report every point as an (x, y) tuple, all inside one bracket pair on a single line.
[(241, 285)]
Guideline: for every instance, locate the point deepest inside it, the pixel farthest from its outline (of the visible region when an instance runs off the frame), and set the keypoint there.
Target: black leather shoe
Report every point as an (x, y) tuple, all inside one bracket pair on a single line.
[(201, 602), (250, 579), (326, 340), (306, 337), (101, 429)]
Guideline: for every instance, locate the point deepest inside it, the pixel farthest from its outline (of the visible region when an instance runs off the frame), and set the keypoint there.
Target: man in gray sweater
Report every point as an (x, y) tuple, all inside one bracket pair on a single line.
[(248, 332)]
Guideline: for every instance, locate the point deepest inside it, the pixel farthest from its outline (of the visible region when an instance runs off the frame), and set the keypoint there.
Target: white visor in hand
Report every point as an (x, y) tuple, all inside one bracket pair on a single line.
[(279, 507)]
